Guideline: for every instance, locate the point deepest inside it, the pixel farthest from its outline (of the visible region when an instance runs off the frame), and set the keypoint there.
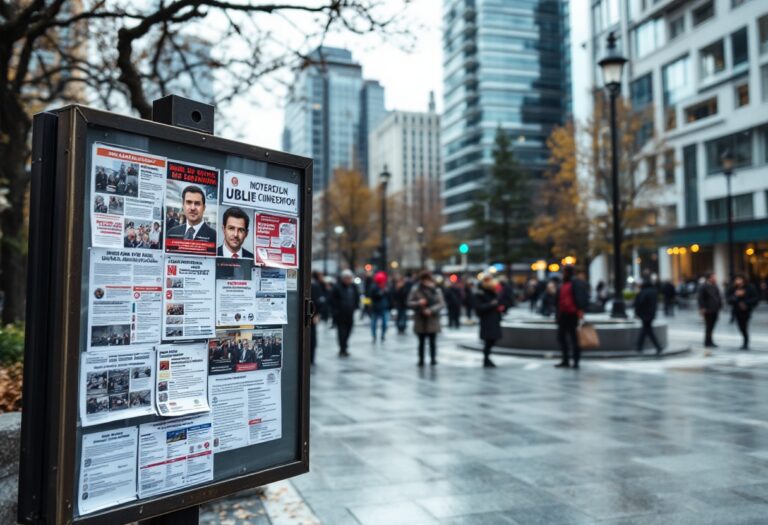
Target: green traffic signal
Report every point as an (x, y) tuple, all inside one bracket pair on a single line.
[(464, 248)]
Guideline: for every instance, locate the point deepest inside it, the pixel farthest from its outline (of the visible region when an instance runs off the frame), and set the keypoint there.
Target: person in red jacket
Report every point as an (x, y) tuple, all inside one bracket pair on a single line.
[(570, 302)]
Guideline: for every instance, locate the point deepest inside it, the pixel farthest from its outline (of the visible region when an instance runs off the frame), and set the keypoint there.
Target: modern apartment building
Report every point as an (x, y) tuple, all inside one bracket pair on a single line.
[(330, 112), (503, 67), (702, 66)]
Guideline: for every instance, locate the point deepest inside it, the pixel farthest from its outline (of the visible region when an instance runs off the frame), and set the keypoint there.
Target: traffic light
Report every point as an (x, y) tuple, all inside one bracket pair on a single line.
[(464, 248)]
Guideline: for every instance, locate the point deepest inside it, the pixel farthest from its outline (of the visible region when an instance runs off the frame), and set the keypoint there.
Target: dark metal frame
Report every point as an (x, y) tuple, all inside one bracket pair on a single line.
[(52, 354)]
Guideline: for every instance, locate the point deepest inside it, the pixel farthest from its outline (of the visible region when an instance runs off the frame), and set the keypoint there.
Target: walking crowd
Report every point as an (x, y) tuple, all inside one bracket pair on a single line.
[(425, 298)]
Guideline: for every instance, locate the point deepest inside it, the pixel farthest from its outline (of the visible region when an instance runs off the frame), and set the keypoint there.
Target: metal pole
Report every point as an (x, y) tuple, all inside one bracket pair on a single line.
[(618, 310), (384, 258), (730, 229), (338, 255)]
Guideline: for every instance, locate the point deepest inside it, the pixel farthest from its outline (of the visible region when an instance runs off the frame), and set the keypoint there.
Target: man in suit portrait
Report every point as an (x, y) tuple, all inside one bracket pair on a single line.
[(193, 206), (235, 225)]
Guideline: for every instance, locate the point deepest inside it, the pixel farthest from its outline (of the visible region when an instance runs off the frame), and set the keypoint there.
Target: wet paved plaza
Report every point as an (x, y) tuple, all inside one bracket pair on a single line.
[(633, 442)]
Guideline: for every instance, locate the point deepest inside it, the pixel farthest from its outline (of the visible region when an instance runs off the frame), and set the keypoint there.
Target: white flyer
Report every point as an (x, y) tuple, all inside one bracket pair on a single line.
[(175, 454), (235, 292), (292, 279), (189, 302), (246, 409), (107, 469), (182, 379), (127, 192), (117, 384), (125, 296), (251, 191), (271, 296)]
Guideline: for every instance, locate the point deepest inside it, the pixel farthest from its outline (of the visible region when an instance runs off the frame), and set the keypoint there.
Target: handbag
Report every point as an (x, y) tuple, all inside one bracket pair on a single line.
[(587, 336)]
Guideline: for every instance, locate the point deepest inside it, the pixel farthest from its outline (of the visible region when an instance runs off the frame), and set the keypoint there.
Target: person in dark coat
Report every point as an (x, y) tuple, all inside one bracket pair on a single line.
[(669, 293), (488, 308), (646, 303), (427, 302), (453, 300), (469, 299), (548, 298), (743, 298), (710, 303), (571, 300), (317, 294), (400, 301), (381, 303), (345, 299)]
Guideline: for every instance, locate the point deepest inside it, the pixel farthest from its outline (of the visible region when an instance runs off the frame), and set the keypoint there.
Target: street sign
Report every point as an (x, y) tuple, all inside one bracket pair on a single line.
[(166, 359)]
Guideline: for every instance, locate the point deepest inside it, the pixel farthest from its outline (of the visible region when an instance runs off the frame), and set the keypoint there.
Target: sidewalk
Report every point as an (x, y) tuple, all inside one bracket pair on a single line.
[(633, 443)]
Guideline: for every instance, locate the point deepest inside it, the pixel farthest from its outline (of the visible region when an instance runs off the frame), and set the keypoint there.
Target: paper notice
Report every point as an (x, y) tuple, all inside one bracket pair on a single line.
[(276, 242), (189, 302), (127, 189), (271, 305), (107, 469), (246, 409), (245, 350), (235, 292), (125, 295), (117, 385), (259, 192), (182, 373), (175, 454)]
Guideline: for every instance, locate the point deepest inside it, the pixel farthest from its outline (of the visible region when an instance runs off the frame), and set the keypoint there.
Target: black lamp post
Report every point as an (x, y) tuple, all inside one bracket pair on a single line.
[(339, 231), (612, 66), (420, 234), (384, 176), (727, 161)]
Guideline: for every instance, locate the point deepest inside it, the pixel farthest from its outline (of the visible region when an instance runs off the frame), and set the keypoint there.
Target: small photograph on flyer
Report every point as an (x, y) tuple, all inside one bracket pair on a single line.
[(236, 237), (191, 208), (232, 351)]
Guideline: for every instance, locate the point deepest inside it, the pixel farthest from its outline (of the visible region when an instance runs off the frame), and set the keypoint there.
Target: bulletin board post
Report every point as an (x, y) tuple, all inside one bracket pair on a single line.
[(188, 400)]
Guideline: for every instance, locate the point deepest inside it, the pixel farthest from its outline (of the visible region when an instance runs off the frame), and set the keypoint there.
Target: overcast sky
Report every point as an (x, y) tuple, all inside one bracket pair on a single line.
[(407, 77)]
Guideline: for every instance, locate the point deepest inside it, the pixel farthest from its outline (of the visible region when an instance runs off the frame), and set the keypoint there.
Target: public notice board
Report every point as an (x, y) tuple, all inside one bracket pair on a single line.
[(191, 354)]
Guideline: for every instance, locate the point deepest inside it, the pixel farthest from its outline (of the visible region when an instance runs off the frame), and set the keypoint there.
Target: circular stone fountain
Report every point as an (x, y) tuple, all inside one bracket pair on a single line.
[(537, 337)]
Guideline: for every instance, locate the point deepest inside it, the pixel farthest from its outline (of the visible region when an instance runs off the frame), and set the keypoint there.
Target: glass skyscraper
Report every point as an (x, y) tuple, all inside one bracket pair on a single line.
[(330, 112), (503, 67)]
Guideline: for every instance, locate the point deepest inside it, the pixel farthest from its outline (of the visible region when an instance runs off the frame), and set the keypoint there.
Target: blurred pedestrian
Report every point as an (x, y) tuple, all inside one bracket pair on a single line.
[(669, 293), (469, 299), (548, 299), (345, 299), (381, 302), (489, 309), (532, 292), (427, 302), (453, 300), (646, 303), (710, 303), (743, 298), (319, 299), (400, 300), (571, 300), (601, 293), (505, 292)]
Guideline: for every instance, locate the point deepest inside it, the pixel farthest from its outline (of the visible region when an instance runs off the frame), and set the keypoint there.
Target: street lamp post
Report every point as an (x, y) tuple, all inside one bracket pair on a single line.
[(727, 161), (420, 233), (339, 231), (612, 66), (384, 176)]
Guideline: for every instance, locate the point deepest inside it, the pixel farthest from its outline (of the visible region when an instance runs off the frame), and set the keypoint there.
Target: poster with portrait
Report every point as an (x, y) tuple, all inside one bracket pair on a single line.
[(276, 242), (236, 235), (191, 208), (117, 385), (127, 190)]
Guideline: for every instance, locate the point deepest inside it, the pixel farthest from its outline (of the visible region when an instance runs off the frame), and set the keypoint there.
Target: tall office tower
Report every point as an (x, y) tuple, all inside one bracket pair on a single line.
[(503, 67), (701, 68), (329, 114)]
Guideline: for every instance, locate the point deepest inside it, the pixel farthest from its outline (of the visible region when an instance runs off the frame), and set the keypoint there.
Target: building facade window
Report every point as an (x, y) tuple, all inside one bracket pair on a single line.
[(641, 91), (764, 82), (701, 110), (648, 36), (711, 60), (739, 145), (703, 13), (740, 47), (690, 186), (742, 95), (676, 27), (762, 25), (743, 208), (669, 166), (677, 85)]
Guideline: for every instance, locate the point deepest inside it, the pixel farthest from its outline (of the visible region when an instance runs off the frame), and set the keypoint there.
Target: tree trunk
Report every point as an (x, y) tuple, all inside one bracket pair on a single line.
[(14, 153)]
